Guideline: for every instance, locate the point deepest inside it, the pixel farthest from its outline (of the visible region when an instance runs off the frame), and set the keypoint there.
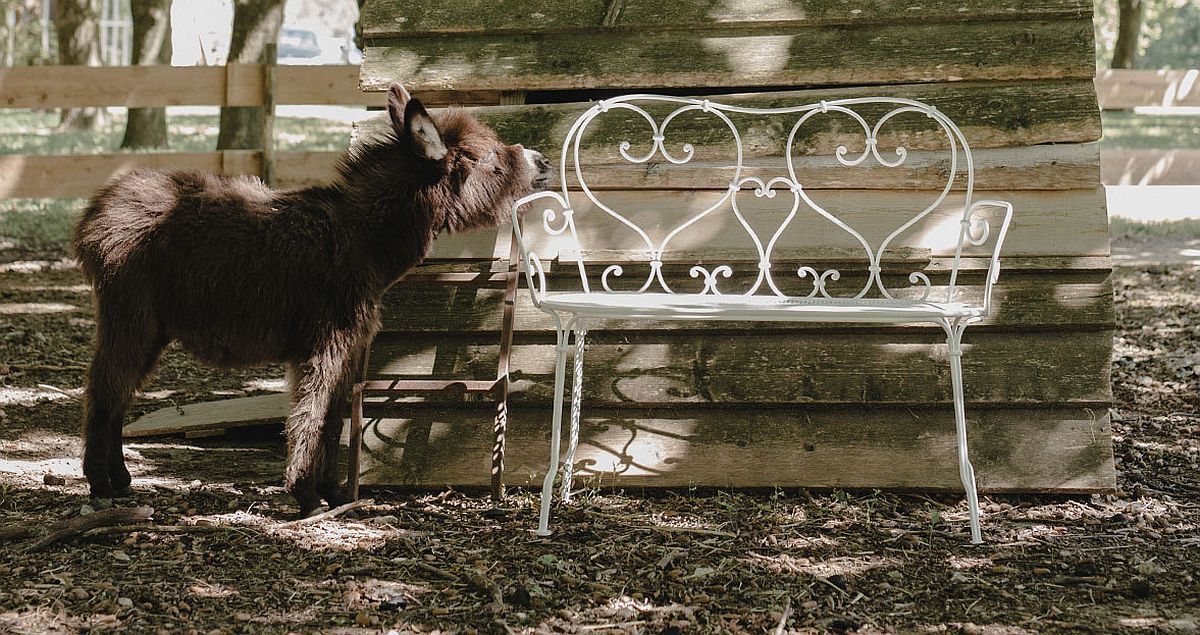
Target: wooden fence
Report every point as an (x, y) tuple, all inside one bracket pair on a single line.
[(56, 176)]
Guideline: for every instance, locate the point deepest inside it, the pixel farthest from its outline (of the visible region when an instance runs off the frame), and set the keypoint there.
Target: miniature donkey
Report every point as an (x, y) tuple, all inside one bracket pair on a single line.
[(240, 274)]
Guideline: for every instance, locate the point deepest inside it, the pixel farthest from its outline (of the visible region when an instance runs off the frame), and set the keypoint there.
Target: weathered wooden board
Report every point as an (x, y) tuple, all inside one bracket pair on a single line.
[(1045, 223), (990, 115), (737, 56), (230, 85), (1024, 302), (1063, 449), (212, 417), (773, 368), (407, 18)]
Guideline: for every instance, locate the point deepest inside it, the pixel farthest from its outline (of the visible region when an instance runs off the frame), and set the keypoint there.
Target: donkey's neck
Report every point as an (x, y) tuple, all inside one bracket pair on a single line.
[(393, 228)]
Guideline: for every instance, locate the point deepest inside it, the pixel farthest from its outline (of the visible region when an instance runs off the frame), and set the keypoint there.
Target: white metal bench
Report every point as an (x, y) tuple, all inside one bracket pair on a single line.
[(761, 295)]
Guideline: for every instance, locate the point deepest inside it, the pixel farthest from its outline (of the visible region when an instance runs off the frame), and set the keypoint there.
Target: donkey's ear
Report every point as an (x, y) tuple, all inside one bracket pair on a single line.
[(398, 98), (420, 127)]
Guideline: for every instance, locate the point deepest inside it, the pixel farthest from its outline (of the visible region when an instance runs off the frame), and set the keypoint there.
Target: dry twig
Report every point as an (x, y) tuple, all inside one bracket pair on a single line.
[(104, 518), (333, 513)]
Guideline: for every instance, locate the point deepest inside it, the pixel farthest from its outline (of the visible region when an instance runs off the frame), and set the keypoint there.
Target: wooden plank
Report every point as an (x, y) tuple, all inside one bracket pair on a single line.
[(1041, 221), (1040, 167), (1060, 449), (403, 18), (1150, 167), (1126, 88), (785, 367), (1025, 301), (132, 86), (232, 85), (737, 57), (990, 115), (63, 176), (212, 416)]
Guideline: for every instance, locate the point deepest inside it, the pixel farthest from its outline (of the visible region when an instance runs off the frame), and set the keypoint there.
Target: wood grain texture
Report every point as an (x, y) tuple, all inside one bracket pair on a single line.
[(382, 18), (1045, 223), (868, 54), (1025, 301), (231, 85), (1061, 449), (212, 416), (789, 367), (990, 115)]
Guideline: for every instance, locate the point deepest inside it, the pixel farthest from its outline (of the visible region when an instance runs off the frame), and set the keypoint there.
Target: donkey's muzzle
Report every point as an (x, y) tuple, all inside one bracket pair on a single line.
[(541, 167)]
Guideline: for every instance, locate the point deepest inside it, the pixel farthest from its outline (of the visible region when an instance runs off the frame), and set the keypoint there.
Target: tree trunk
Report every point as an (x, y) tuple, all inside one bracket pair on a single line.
[(77, 25), (147, 127), (255, 23), (1129, 27)]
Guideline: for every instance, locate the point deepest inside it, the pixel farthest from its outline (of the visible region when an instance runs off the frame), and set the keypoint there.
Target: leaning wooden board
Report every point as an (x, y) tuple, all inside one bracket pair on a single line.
[(684, 404)]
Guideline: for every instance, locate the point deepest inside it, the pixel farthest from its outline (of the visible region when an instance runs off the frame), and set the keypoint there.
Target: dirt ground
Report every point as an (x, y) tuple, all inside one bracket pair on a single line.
[(217, 557)]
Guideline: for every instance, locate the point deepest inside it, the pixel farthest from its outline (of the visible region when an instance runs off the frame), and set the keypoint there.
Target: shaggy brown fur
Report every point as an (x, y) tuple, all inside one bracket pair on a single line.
[(240, 274)]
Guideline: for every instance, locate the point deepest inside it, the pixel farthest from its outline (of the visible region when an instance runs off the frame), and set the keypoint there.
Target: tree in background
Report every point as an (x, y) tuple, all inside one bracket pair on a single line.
[(77, 30), (147, 127), (255, 24), (1167, 34), (1129, 28)]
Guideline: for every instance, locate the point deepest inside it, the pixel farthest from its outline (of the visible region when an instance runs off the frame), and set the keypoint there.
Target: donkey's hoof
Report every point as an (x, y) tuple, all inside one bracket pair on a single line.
[(124, 492)]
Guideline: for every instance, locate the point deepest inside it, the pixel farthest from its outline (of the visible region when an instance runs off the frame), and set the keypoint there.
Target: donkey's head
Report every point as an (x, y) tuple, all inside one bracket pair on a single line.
[(466, 177)]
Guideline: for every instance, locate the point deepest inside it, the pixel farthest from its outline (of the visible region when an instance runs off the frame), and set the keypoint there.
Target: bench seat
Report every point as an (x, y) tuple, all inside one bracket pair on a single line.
[(672, 306)]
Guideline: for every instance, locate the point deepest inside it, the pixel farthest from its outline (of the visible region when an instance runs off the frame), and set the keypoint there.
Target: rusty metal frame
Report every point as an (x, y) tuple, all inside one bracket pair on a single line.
[(496, 389)]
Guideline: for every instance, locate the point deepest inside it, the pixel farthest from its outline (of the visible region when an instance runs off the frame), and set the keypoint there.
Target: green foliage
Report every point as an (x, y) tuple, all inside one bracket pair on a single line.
[(1135, 131), (1170, 34)]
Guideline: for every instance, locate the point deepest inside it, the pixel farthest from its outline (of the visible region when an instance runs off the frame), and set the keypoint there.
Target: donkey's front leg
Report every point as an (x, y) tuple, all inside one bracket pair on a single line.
[(316, 383)]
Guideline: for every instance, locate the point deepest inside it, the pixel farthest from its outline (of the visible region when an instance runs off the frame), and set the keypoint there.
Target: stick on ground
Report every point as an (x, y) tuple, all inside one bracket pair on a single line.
[(104, 518)]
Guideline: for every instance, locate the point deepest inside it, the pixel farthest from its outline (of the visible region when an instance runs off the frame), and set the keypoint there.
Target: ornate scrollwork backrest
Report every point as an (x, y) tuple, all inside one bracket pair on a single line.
[(972, 231)]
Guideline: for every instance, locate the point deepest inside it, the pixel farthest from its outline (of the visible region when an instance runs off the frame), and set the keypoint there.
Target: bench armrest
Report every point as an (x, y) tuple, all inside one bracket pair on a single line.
[(531, 264), (976, 231)]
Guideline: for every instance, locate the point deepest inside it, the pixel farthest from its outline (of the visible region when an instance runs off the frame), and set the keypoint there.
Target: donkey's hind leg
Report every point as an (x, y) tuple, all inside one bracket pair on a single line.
[(328, 481), (127, 348)]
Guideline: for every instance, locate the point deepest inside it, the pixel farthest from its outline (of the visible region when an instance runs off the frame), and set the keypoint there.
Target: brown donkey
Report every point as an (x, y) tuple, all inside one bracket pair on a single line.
[(240, 274)]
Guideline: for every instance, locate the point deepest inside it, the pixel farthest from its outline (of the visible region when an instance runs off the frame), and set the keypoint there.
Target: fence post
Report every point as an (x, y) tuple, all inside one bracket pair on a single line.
[(268, 123)]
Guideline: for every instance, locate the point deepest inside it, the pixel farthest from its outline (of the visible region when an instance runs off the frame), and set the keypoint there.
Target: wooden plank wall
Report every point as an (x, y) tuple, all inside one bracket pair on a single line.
[(772, 404)]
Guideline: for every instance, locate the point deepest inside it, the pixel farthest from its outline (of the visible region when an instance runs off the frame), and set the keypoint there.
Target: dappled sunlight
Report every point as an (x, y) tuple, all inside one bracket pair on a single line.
[(963, 563), (19, 396), (38, 266), (36, 308), (752, 56), (266, 385)]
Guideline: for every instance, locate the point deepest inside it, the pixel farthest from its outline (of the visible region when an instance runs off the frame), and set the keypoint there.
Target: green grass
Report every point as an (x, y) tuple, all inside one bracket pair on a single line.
[(1186, 229), (1127, 130), (38, 223)]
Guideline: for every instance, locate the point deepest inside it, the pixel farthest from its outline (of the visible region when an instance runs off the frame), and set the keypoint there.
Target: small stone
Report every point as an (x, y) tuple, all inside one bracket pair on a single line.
[(79, 593), (1041, 571), (441, 610), (125, 603), (809, 605), (120, 556), (242, 616), (86, 509), (53, 479)]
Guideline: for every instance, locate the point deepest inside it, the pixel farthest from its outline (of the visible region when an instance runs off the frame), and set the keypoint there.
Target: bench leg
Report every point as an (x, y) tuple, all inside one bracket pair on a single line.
[(560, 372), (576, 403), (965, 471)]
